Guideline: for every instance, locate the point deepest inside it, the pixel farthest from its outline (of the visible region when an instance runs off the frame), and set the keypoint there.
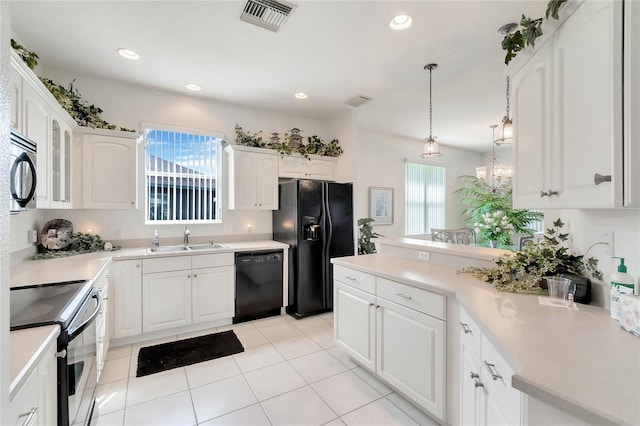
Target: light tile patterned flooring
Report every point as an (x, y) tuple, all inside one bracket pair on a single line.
[(290, 373)]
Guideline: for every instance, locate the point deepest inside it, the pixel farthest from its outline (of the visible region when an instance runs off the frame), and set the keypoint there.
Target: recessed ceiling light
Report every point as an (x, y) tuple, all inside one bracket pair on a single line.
[(193, 86), (401, 22), (128, 54), (301, 95)]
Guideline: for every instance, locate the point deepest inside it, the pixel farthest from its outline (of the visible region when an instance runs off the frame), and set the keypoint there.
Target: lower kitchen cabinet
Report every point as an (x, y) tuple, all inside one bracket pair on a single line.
[(101, 283), (388, 331), (213, 293), (36, 402), (126, 298), (166, 300)]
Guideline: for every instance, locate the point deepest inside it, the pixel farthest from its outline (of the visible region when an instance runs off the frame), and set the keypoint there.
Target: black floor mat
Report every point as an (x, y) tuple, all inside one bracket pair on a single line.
[(154, 359)]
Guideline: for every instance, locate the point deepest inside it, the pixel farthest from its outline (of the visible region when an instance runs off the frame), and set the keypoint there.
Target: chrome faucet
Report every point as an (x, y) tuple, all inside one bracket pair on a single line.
[(186, 236)]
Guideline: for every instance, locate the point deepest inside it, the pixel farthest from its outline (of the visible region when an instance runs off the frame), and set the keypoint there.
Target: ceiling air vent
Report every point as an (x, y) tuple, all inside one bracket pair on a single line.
[(267, 14), (358, 100)]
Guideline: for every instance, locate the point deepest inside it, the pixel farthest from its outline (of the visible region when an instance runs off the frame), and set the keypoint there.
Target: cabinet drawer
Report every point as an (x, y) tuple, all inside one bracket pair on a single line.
[(357, 279), (494, 365), (470, 332), (412, 297), (212, 260), (166, 264)]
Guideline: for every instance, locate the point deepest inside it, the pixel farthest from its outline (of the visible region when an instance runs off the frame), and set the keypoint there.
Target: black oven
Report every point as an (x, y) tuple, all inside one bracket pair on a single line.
[(23, 175), (74, 305)]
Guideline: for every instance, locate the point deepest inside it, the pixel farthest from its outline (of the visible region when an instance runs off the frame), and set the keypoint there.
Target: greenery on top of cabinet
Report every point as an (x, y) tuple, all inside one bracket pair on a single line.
[(293, 143), (516, 41), (85, 114)]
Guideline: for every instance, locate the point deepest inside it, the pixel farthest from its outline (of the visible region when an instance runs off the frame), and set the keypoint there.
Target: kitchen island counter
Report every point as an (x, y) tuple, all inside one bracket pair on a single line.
[(580, 362)]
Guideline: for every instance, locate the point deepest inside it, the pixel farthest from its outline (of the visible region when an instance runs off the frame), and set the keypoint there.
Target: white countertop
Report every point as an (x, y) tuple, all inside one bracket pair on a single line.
[(581, 362), (25, 349)]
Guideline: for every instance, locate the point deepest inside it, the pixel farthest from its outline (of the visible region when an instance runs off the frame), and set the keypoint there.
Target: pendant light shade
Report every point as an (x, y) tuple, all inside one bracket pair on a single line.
[(431, 147), (506, 130), (494, 176)]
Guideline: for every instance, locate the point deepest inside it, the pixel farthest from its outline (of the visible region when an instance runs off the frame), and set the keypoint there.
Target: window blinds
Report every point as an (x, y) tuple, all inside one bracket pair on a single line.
[(425, 198)]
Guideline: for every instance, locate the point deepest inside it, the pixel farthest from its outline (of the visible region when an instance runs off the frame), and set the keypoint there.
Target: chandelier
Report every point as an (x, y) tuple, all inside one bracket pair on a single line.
[(497, 172), (431, 148)]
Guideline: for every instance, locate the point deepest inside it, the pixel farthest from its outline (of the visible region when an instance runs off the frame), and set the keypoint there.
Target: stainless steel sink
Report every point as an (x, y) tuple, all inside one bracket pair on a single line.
[(207, 246), (183, 248)]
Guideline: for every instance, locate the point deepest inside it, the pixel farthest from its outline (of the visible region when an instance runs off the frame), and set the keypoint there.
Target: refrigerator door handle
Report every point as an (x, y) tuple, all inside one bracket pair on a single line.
[(327, 245)]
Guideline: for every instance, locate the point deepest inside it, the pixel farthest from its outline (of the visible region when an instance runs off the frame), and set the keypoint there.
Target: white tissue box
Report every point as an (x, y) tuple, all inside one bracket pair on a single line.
[(630, 313)]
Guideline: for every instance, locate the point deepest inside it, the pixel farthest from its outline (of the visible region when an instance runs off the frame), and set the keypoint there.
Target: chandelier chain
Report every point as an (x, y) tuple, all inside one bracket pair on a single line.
[(430, 109), (507, 96)]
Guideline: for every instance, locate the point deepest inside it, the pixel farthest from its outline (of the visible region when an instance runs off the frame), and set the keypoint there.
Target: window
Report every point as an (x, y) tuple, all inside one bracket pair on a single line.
[(425, 198), (182, 169)]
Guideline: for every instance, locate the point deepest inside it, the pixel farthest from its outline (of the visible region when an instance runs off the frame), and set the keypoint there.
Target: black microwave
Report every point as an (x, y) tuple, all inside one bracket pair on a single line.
[(23, 175)]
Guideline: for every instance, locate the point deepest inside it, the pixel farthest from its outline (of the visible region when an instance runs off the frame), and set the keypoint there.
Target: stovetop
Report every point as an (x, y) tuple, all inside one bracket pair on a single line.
[(45, 304)]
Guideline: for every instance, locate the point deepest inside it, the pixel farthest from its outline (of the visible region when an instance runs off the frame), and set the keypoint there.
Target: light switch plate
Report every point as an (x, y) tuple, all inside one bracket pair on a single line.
[(424, 255)]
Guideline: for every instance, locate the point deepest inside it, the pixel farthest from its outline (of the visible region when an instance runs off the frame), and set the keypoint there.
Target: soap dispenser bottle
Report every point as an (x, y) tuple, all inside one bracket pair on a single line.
[(621, 283), (156, 240)]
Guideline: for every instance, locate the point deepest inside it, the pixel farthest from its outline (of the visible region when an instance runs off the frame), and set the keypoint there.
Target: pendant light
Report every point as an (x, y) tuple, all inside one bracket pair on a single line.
[(497, 172), (506, 131), (431, 148)]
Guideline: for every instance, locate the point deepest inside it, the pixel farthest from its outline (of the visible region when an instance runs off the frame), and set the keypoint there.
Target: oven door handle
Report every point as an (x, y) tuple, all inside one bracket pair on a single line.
[(96, 295)]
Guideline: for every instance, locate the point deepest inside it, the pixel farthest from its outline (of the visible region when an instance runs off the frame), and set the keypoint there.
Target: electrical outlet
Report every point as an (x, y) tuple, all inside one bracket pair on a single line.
[(424, 255), (117, 233), (32, 236), (607, 237)]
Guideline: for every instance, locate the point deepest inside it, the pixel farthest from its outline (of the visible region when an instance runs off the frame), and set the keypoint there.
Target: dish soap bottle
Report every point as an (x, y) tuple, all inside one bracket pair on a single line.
[(156, 240), (621, 283)]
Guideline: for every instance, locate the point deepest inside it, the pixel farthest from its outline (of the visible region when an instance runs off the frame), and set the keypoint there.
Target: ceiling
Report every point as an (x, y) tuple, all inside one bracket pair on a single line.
[(332, 50)]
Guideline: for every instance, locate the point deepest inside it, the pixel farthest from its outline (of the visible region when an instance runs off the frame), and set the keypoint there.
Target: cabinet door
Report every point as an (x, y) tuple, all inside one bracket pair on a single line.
[(632, 104), (410, 354), (242, 185), (166, 300), (493, 412), (109, 172), (60, 170), (213, 293), (354, 323), (532, 160), (470, 386), (267, 181), (293, 167), (36, 127), (48, 387), (320, 169), (126, 294), (16, 101), (588, 105)]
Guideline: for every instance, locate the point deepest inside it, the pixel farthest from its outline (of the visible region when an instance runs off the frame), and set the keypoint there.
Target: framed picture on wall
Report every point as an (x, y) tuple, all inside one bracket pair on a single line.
[(381, 205)]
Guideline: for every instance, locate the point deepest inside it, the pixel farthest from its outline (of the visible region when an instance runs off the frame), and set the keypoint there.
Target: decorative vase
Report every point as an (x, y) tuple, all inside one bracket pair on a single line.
[(494, 243)]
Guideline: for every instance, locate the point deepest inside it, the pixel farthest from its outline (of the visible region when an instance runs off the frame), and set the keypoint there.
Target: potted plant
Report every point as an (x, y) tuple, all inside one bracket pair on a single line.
[(524, 271), (365, 245)]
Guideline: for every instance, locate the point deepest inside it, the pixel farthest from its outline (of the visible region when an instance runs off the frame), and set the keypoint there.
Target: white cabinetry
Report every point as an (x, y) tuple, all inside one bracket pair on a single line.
[(252, 180), (314, 167), (110, 170), (16, 100), (35, 404), (101, 283), (60, 164), (568, 114), (632, 104), (126, 295), (486, 395), (395, 330), (183, 290)]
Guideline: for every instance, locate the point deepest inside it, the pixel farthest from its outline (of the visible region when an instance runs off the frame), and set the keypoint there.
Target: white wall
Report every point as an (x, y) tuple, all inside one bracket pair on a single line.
[(381, 162)]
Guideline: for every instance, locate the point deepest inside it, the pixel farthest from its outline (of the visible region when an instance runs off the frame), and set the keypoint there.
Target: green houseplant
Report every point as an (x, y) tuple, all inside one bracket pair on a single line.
[(483, 200), (365, 245), (523, 271)]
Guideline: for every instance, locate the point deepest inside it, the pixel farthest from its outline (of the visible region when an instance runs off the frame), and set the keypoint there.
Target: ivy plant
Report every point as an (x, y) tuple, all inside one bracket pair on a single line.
[(30, 58), (530, 30), (314, 146), (80, 244)]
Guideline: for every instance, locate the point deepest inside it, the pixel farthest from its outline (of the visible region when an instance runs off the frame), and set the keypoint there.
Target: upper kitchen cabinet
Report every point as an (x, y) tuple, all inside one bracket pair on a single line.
[(631, 135), (60, 164), (314, 167), (110, 169), (252, 179), (568, 100)]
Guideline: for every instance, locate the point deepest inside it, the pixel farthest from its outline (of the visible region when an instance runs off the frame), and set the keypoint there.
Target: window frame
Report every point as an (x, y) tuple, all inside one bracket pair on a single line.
[(219, 196)]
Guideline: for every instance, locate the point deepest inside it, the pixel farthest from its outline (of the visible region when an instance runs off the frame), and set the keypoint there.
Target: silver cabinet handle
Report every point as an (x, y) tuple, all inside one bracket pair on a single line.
[(404, 296), (137, 265), (371, 304), (350, 278), (550, 193), (491, 368), (61, 354), (543, 194), (188, 276), (598, 178), (30, 417), (474, 375), (476, 380), (465, 328), (195, 275)]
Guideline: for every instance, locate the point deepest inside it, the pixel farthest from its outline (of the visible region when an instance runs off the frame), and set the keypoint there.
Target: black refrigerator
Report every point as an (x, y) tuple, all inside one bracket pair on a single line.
[(316, 219)]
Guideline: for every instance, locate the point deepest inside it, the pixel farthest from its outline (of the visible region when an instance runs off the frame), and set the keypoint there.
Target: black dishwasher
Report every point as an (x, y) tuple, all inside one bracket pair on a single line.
[(258, 285)]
